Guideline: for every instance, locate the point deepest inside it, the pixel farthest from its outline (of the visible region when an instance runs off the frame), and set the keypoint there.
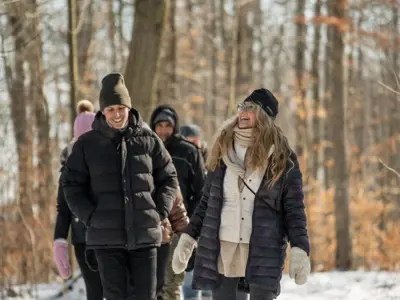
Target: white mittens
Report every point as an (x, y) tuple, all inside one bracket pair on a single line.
[(182, 253), (299, 265)]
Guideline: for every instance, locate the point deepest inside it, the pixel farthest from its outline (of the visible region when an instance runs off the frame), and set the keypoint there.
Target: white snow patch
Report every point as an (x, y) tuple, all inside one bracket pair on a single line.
[(357, 285)]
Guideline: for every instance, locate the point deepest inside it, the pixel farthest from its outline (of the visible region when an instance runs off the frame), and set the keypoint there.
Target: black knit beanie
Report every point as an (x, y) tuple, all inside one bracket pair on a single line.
[(113, 91), (266, 100), (165, 115), (190, 130)]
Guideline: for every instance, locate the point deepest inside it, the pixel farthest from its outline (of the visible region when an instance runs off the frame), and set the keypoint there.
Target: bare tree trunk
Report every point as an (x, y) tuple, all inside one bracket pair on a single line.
[(233, 60), (84, 34), (214, 78), (197, 84), (23, 129), (122, 42), (316, 121), (340, 176), (301, 113), (171, 58), (394, 127), (41, 110), (191, 48), (141, 71), (277, 45), (359, 111), (73, 62), (361, 133), (45, 182), (112, 30), (167, 83), (316, 125), (380, 136), (227, 43), (245, 49), (259, 58), (327, 141), (203, 107)]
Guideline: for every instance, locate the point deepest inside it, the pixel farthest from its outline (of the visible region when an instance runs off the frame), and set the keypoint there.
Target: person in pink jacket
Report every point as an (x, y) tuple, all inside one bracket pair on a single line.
[(66, 221)]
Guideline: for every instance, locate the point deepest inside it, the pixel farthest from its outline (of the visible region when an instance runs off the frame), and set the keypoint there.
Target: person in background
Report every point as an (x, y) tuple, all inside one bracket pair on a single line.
[(120, 181), (189, 165), (65, 220), (252, 205), (193, 134)]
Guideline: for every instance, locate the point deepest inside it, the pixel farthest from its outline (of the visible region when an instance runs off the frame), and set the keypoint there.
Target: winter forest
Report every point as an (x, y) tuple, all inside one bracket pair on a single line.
[(334, 66)]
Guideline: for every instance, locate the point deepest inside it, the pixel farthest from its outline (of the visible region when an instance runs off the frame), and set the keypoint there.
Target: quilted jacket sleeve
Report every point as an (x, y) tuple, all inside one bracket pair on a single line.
[(165, 179), (293, 206), (75, 180), (196, 221)]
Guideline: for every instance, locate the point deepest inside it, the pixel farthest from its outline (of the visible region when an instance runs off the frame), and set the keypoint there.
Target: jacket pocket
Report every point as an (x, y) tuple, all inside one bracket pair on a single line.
[(149, 218)]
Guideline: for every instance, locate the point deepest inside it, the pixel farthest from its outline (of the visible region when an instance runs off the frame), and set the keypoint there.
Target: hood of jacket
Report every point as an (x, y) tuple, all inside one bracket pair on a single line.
[(158, 110)]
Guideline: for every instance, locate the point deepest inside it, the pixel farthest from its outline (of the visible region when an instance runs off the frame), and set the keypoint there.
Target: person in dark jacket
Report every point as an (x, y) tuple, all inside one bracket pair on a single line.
[(189, 165), (65, 220), (120, 181), (193, 134), (251, 207)]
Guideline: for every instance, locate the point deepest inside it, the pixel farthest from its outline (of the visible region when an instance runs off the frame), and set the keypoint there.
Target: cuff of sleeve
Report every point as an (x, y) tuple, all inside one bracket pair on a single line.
[(60, 241), (303, 246), (188, 240)]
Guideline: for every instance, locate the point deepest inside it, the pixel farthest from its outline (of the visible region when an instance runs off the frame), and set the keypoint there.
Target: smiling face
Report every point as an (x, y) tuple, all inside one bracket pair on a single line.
[(116, 115), (247, 115)]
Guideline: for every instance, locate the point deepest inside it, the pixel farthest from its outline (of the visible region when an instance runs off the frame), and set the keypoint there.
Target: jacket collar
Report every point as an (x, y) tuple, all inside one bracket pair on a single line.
[(135, 123)]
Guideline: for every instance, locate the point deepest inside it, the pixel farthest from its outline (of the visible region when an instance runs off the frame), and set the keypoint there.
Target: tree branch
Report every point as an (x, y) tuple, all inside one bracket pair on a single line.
[(389, 168), (389, 88)]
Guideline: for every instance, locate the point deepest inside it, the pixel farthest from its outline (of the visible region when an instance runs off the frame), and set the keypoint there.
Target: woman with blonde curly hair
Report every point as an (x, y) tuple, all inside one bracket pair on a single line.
[(252, 205)]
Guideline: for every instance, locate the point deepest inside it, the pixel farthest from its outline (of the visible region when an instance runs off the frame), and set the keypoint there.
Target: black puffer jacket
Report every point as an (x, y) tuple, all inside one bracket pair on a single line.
[(65, 219), (188, 162), (121, 199), (278, 216)]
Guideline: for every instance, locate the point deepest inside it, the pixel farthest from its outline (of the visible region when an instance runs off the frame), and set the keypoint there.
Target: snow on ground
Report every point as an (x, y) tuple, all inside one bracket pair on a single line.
[(356, 285)]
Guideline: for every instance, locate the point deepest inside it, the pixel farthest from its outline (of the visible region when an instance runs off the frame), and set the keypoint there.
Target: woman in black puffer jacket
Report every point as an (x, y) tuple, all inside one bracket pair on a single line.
[(251, 207), (65, 220)]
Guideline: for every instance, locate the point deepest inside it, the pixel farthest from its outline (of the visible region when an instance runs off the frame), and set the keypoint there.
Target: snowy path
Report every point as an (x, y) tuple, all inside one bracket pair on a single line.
[(321, 286)]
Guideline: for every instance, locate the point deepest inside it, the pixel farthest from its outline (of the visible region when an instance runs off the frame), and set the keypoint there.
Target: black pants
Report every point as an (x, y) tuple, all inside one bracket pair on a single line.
[(94, 288), (162, 261), (116, 266), (228, 290)]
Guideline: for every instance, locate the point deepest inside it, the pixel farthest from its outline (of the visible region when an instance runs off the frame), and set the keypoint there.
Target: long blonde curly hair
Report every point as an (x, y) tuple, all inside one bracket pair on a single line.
[(266, 135)]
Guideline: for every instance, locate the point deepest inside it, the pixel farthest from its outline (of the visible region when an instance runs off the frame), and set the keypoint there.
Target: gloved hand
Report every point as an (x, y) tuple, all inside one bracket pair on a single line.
[(178, 216), (166, 230), (182, 253), (61, 258), (299, 265)]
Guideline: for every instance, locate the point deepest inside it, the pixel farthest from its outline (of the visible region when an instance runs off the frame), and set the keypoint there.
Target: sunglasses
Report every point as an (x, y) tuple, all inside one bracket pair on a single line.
[(247, 106)]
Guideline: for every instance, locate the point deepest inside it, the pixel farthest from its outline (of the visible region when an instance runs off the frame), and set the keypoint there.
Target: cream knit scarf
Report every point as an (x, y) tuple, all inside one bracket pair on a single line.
[(244, 138)]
